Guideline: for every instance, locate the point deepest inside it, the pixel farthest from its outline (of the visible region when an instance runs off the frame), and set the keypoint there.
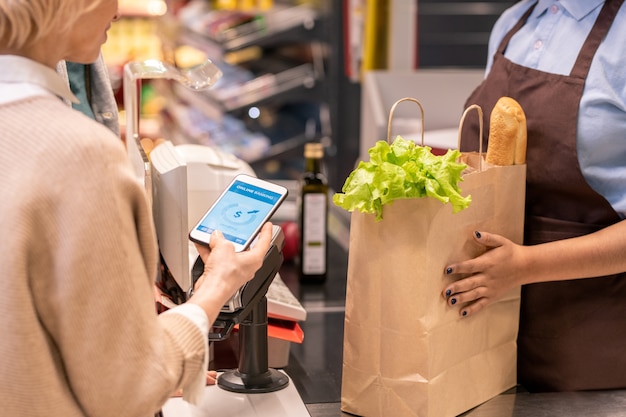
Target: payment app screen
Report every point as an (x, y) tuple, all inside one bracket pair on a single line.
[(239, 212)]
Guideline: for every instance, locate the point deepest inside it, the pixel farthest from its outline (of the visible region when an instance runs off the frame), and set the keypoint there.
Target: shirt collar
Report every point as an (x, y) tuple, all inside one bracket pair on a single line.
[(17, 69), (577, 8)]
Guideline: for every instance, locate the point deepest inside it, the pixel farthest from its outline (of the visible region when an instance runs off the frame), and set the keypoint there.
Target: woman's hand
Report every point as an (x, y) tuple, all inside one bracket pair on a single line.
[(491, 275), (211, 379), (225, 270)]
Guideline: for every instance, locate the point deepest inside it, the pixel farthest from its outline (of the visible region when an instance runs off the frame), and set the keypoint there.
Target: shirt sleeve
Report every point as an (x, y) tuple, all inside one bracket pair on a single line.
[(194, 390)]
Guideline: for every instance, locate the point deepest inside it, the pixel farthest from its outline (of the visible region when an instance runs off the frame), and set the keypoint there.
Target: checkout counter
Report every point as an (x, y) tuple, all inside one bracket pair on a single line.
[(314, 367)]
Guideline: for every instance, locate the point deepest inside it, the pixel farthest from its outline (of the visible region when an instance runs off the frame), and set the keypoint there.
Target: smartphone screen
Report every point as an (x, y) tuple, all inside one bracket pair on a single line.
[(240, 211)]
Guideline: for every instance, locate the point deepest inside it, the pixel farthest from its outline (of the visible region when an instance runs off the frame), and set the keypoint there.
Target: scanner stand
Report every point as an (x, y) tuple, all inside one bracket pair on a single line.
[(253, 389), (253, 374)]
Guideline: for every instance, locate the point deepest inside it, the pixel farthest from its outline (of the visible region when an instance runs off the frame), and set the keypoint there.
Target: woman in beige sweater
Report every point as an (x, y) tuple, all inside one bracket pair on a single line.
[(80, 336)]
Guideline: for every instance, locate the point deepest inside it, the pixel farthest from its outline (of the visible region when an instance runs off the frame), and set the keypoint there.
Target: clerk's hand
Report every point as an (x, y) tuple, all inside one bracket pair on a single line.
[(492, 274), (225, 270)]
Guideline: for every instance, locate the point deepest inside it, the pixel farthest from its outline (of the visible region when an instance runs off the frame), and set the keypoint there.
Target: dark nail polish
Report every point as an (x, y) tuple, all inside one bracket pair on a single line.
[(478, 235), (453, 301), (448, 293), (449, 270), (464, 313)]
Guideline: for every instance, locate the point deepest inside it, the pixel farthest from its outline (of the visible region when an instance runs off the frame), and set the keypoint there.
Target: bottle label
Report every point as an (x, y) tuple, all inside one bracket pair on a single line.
[(314, 234)]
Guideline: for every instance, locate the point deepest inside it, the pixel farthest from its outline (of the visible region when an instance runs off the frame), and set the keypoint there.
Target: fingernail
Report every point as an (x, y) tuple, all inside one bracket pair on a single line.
[(448, 293), (478, 235), (449, 270), (453, 301), (464, 313)]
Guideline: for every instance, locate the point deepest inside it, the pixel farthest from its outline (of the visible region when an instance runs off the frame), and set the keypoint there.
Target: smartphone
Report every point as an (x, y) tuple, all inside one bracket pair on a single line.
[(240, 211)]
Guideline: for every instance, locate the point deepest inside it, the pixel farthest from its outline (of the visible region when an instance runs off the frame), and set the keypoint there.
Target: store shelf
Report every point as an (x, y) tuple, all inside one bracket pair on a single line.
[(227, 134), (245, 29), (258, 91), (274, 61)]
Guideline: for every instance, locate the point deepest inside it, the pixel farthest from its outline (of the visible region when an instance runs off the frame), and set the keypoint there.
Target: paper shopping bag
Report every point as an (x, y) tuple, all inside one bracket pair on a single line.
[(406, 352)]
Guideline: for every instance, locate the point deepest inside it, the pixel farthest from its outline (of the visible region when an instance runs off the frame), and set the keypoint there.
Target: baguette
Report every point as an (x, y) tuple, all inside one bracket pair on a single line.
[(507, 133)]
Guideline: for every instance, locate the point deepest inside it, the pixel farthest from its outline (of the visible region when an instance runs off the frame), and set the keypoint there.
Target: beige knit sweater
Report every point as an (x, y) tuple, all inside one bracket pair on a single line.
[(79, 335)]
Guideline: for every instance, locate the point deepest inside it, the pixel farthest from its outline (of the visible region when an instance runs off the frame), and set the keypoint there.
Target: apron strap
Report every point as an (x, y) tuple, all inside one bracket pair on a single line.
[(514, 29), (595, 37)]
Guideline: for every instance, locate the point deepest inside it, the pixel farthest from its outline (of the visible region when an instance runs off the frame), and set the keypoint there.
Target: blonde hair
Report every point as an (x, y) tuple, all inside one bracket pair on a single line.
[(23, 22)]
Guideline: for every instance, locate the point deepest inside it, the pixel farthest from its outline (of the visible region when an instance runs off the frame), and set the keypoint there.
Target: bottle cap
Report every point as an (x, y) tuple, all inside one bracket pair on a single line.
[(313, 150)]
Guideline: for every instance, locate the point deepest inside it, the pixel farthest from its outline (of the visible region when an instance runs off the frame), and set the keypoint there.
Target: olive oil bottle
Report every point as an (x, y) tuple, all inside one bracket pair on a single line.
[(313, 217)]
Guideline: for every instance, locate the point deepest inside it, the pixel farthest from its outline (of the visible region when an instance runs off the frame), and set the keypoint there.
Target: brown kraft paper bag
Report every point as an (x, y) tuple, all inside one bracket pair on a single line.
[(406, 352)]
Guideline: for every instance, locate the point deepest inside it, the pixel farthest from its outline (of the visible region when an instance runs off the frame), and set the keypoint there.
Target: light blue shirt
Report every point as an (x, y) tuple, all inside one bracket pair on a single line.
[(550, 41)]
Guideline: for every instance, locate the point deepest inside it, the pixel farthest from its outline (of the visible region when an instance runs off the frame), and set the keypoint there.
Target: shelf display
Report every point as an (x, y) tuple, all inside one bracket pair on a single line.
[(284, 84), (135, 37), (270, 101)]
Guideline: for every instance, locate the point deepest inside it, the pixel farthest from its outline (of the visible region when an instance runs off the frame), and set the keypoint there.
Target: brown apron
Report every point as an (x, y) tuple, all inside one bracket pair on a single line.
[(572, 334)]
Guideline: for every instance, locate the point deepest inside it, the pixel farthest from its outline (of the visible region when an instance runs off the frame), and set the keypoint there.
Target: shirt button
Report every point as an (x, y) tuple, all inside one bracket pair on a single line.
[(554, 9), (538, 44)]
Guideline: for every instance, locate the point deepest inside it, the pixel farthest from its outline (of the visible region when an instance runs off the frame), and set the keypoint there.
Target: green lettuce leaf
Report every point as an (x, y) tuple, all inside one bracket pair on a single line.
[(402, 170)]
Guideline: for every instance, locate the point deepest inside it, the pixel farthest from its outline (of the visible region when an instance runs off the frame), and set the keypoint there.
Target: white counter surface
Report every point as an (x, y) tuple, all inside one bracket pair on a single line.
[(219, 402)]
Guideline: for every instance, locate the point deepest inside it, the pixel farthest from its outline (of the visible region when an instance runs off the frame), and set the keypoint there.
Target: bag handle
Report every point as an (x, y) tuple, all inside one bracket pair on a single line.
[(393, 108), (480, 132)]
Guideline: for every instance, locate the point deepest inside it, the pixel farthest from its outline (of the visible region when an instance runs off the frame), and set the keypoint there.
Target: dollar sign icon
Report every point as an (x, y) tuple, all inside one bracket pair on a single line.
[(238, 214)]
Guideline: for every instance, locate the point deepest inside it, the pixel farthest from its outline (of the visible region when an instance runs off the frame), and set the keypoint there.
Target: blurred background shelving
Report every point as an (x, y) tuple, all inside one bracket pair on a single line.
[(281, 77), (293, 68), (273, 96)]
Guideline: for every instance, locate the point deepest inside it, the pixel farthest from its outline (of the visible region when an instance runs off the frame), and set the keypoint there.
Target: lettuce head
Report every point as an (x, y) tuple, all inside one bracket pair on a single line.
[(402, 170)]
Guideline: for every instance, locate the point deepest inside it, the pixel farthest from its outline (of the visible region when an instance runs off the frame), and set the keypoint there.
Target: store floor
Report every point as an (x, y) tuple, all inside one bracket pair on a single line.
[(315, 365)]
